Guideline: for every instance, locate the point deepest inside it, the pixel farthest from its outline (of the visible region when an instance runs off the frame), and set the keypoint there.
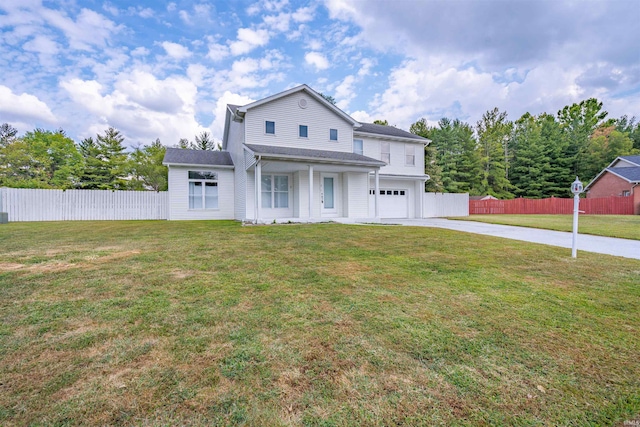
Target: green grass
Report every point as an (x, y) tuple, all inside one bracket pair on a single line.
[(623, 226), (210, 323)]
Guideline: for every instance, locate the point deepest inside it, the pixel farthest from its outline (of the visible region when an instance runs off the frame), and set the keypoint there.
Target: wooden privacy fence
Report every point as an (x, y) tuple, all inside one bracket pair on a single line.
[(445, 204), (553, 206), (68, 205)]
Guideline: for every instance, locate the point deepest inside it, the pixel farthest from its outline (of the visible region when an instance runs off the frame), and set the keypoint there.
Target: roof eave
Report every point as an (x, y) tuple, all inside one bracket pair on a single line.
[(199, 165), (317, 159), (424, 141)]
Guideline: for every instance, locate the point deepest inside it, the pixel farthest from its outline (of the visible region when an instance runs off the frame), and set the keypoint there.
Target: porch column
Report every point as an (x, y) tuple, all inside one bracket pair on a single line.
[(377, 193), (310, 191), (258, 171)]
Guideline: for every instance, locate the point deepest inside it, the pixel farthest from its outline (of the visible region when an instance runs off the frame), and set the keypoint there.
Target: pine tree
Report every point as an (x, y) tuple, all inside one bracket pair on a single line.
[(493, 136)]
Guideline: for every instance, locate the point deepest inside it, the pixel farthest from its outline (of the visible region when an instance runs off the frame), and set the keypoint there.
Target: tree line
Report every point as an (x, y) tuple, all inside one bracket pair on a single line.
[(535, 156), (50, 159)]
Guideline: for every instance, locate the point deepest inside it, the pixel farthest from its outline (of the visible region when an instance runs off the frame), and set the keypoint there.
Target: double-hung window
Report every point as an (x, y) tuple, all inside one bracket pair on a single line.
[(385, 152), (275, 191), (303, 131), (358, 146), (410, 155), (333, 134), (203, 190), (270, 127)]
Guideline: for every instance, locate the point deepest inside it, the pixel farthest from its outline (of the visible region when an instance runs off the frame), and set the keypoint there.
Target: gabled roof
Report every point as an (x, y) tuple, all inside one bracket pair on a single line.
[(632, 159), (382, 130), (302, 88), (619, 171), (288, 153), (182, 156), (630, 174)]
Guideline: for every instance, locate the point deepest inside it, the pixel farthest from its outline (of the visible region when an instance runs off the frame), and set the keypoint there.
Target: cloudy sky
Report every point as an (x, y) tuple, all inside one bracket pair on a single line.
[(166, 69)]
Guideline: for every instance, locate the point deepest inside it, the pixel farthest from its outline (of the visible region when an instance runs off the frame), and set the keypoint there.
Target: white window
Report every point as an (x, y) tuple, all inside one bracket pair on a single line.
[(358, 146), (203, 190), (626, 193), (270, 127), (409, 155), (333, 134), (275, 191), (303, 131), (385, 152)]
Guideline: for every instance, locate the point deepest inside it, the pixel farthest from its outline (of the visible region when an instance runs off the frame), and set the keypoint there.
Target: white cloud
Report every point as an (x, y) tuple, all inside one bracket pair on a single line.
[(317, 60), (366, 64), (248, 40), (220, 111), (217, 51), (141, 105), (89, 30), (41, 44), (278, 22), (140, 51), (344, 92), (176, 51), (304, 14), (24, 107)]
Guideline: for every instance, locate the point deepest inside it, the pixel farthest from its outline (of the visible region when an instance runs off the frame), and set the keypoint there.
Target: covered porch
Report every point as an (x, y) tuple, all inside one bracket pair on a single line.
[(308, 185)]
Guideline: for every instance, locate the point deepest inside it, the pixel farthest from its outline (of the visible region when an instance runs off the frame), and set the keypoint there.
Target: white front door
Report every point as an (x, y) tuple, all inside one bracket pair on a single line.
[(328, 194)]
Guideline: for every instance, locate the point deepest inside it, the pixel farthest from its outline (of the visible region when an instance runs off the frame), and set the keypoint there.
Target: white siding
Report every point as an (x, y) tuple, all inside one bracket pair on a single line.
[(287, 115), (397, 166), (446, 204), (71, 205), (234, 146), (179, 194), (356, 191)]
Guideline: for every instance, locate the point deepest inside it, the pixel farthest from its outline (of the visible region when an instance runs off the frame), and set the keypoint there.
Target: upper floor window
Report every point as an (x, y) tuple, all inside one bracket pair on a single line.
[(203, 190), (270, 127), (333, 134), (358, 146), (385, 152), (626, 193), (303, 131), (409, 155)]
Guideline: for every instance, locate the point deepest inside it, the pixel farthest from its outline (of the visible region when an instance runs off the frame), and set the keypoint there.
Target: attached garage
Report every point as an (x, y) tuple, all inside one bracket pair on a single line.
[(394, 202)]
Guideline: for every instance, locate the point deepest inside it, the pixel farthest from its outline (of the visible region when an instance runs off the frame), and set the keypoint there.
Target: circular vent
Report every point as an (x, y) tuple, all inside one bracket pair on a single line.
[(302, 103)]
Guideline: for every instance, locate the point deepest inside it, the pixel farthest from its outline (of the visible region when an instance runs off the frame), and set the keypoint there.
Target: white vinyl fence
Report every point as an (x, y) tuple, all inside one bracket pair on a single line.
[(69, 205), (445, 204)]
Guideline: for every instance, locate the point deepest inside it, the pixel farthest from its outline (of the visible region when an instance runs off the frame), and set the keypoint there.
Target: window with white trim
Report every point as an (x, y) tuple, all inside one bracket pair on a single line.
[(358, 146), (385, 152), (409, 155), (333, 134), (303, 131), (203, 190), (275, 191), (270, 127), (626, 193)]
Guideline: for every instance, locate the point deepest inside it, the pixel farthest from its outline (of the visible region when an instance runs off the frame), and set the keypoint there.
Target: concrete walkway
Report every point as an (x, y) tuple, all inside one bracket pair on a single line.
[(601, 245)]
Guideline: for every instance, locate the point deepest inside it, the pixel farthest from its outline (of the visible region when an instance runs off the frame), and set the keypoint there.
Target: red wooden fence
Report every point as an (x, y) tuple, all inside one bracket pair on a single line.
[(553, 206)]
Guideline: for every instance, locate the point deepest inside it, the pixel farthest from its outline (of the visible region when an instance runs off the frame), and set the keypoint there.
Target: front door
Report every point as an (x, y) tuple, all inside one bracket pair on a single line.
[(328, 194)]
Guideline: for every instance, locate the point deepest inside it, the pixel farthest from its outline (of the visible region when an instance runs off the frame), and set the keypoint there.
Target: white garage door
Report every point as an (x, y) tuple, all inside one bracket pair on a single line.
[(394, 203)]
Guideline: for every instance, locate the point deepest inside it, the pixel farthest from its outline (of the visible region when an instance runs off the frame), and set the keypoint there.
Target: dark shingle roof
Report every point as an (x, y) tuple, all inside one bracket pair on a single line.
[(632, 159), (319, 155), (630, 174), (197, 157), (387, 130)]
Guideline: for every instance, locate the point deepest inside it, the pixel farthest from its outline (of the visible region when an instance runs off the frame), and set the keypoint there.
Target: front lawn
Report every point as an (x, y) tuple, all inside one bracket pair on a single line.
[(210, 323), (623, 226)]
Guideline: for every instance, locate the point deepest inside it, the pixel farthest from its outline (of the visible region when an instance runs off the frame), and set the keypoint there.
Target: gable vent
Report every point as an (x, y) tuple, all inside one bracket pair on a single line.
[(302, 103)]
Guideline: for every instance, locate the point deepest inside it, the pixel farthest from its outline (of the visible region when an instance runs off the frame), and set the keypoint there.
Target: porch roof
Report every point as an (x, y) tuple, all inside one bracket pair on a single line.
[(321, 156)]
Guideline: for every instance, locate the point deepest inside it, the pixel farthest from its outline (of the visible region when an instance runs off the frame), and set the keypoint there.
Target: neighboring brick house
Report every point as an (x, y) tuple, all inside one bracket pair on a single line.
[(620, 178)]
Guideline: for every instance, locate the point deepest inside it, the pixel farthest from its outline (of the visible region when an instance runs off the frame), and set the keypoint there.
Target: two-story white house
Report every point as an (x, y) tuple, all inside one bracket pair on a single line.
[(295, 156)]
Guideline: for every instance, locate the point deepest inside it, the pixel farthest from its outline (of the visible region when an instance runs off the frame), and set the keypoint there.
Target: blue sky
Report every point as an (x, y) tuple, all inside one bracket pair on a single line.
[(166, 70)]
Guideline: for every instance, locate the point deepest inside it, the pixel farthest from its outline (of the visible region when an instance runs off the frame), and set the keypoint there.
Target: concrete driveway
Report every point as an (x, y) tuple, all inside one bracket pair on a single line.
[(601, 245)]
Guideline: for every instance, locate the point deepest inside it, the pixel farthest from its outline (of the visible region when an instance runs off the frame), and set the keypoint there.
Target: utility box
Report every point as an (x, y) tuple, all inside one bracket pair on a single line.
[(4, 217)]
